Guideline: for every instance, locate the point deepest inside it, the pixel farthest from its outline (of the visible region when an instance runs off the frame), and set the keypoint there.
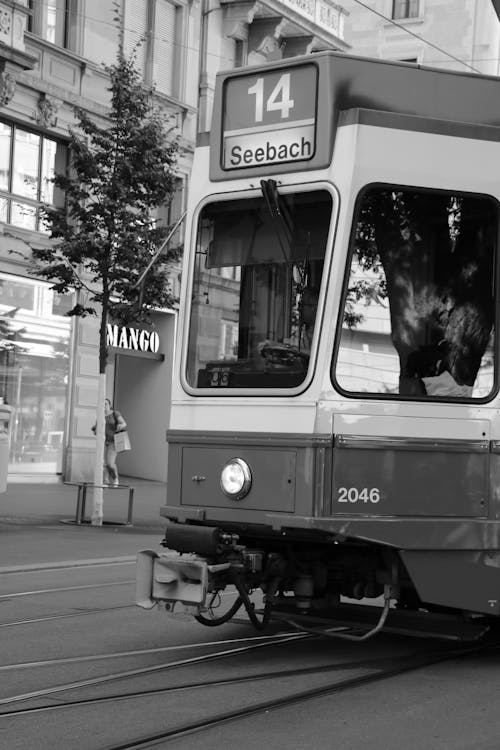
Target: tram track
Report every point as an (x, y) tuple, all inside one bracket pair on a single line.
[(135, 652), (75, 611), (255, 677), (91, 682), (82, 612), (396, 669), (79, 611), (245, 687), (65, 589), (193, 700), (63, 616), (374, 670)]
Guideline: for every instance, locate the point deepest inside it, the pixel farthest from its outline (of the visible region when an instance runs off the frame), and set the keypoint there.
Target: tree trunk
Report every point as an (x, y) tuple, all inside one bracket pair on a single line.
[(98, 504), (97, 495), (438, 289)]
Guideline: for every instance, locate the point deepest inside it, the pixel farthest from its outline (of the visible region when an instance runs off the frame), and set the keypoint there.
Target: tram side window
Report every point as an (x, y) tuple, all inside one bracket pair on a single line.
[(418, 315)]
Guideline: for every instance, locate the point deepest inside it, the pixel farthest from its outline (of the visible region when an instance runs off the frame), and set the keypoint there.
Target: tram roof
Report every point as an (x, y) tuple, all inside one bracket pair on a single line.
[(346, 82), (397, 86)]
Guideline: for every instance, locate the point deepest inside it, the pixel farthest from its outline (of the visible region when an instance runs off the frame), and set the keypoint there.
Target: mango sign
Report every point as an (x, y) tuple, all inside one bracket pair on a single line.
[(136, 339)]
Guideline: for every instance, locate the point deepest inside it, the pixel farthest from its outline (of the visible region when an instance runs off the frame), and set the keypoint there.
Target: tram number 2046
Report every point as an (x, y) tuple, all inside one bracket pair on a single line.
[(355, 495)]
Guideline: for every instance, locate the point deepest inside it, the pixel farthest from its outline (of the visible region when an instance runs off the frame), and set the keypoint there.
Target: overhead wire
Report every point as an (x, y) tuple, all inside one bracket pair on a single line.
[(417, 36)]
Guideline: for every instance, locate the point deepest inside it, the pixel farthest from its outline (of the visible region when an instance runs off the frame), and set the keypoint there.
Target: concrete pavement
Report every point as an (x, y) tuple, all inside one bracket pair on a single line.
[(37, 527)]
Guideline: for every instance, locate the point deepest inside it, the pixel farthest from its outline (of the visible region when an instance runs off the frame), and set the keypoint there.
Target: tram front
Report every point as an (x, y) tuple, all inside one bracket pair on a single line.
[(308, 455), (244, 446)]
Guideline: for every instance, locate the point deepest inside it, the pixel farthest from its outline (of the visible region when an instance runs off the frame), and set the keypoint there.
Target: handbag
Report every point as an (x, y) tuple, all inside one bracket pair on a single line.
[(122, 441)]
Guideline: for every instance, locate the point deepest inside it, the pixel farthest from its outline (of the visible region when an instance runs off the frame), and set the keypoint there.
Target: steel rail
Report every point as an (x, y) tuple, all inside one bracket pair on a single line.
[(147, 670), (64, 566), (136, 652), (66, 588), (48, 618), (221, 682)]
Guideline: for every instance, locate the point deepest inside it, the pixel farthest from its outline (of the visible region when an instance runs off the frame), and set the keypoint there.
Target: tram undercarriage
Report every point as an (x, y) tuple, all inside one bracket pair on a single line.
[(309, 584)]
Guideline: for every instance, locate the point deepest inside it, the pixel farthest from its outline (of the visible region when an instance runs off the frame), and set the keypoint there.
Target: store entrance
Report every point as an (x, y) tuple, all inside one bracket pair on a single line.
[(142, 391)]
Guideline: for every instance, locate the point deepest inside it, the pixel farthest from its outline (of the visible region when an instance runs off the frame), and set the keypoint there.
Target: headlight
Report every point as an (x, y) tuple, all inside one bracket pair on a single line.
[(236, 479)]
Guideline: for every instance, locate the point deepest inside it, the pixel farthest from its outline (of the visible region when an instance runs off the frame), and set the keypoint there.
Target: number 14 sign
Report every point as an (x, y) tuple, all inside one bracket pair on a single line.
[(270, 117)]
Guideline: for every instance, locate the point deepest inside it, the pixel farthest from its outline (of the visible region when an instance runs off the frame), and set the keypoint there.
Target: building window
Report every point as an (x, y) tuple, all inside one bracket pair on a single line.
[(405, 9), (152, 30), (100, 42), (28, 162), (166, 51), (419, 310), (48, 20), (136, 22), (34, 366)]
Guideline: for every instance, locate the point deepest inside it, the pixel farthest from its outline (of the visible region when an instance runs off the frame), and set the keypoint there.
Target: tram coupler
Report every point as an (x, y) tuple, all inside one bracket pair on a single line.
[(169, 577)]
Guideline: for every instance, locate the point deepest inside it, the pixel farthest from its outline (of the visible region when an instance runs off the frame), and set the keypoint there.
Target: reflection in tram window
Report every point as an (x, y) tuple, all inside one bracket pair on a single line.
[(257, 276), (418, 315)]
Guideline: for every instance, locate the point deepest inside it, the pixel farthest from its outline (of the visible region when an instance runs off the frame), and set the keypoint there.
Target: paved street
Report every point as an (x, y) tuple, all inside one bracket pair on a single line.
[(32, 533), (82, 668)]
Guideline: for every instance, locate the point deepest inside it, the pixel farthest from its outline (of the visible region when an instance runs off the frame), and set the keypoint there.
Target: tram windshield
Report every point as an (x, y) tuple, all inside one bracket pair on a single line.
[(258, 268)]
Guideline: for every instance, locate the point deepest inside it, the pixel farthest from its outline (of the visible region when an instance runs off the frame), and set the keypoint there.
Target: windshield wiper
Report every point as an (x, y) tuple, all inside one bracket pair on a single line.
[(281, 218)]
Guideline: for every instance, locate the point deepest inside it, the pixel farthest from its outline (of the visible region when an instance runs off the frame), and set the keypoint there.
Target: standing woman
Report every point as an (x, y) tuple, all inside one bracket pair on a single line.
[(113, 423)]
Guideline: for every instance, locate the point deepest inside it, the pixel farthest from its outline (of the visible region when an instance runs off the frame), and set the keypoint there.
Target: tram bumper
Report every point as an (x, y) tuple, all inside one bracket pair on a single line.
[(180, 583)]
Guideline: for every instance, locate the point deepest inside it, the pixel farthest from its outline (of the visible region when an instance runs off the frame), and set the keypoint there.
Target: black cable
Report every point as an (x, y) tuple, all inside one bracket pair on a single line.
[(213, 622)]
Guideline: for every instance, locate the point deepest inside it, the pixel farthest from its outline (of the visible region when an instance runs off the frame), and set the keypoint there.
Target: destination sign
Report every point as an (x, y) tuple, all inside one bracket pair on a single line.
[(270, 118)]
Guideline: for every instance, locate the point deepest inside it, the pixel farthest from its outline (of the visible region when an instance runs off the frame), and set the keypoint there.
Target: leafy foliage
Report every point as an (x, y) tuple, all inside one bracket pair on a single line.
[(119, 173)]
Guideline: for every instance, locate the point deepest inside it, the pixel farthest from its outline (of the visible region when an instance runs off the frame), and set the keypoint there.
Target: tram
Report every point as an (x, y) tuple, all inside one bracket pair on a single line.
[(335, 424)]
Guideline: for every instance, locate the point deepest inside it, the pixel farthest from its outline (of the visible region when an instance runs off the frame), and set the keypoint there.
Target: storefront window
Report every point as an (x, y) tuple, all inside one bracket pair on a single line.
[(34, 367), (5, 141)]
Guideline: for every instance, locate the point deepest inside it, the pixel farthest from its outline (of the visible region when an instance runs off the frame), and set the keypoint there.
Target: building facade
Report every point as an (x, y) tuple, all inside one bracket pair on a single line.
[(450, 34), (52, 58)]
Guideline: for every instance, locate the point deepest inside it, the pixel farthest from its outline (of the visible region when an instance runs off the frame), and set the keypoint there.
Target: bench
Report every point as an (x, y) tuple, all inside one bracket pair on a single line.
[(81, 498)]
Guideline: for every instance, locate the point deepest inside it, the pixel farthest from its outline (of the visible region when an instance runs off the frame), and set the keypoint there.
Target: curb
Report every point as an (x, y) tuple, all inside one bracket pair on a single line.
[(67, 564)]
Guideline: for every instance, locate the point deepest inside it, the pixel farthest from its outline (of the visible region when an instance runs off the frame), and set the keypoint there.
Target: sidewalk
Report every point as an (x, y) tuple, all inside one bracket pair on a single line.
[(33, 535)]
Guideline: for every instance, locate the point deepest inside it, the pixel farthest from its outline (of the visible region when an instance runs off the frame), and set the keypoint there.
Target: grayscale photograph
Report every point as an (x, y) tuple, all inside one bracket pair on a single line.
[(249, 394)]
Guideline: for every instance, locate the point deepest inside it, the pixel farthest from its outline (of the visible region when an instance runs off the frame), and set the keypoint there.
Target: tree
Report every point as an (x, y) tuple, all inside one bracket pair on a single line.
[(119, 173)]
